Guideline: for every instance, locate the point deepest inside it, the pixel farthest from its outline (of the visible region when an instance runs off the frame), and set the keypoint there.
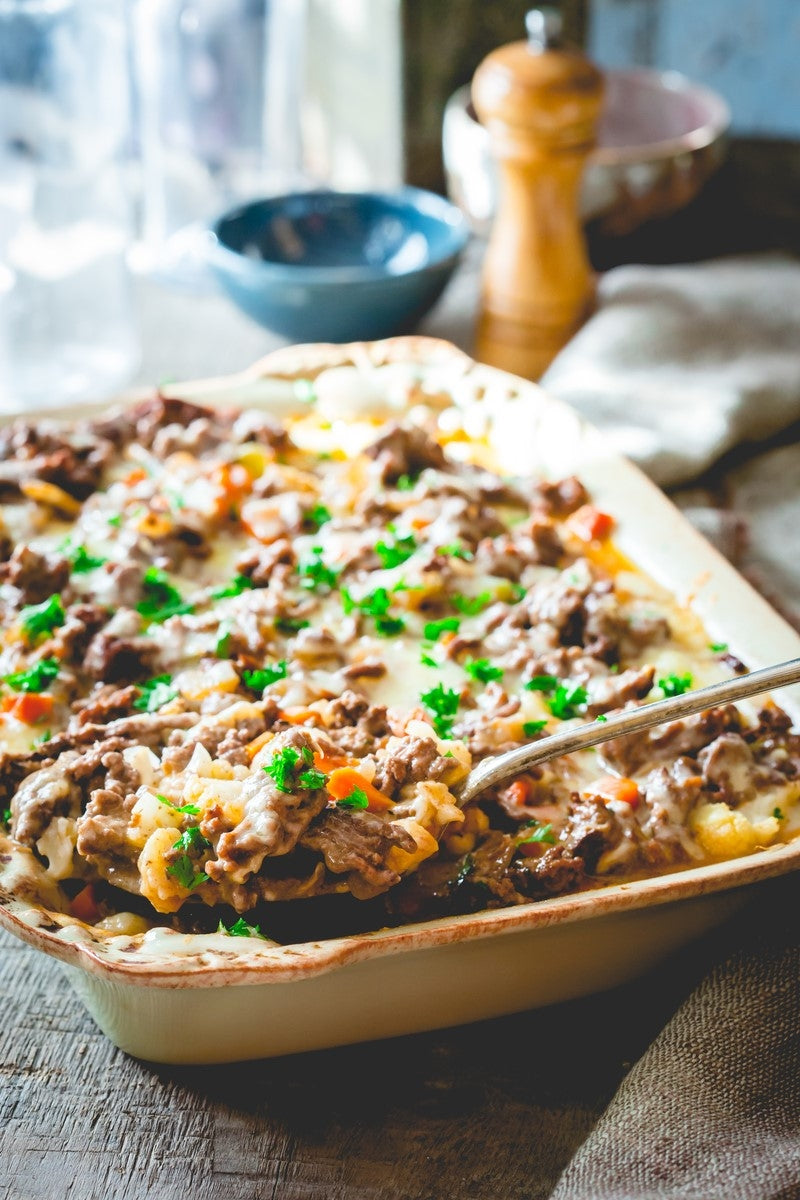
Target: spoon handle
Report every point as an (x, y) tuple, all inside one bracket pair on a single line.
[(493, 770)]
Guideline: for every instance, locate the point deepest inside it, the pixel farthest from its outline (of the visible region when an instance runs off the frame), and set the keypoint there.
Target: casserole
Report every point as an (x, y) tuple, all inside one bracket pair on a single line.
[(167, 995)]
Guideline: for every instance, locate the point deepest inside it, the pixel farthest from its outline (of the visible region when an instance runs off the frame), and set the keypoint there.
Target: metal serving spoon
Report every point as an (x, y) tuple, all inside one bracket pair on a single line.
[(494, 770)]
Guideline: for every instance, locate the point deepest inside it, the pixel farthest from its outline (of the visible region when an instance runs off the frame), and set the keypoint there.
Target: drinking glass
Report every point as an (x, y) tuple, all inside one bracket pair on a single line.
[(66, 318)]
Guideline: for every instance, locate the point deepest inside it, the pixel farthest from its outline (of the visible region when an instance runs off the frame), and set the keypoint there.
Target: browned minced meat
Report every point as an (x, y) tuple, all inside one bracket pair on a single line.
[(259, 564), (103, 828), (563, 497), (69, 642), (219, 738), (367, 668), (35, 576), (405, 450), (119, 656), (416, 759), (356, 726), (356, 844), (41, 796), (554, 872), (273, 819), (72, 459), (106, 702), (614, 691), (662, 744), (591, 829)]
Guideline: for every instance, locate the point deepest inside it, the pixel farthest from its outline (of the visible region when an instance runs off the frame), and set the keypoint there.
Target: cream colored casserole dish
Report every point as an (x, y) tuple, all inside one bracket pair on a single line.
[(166, 994)]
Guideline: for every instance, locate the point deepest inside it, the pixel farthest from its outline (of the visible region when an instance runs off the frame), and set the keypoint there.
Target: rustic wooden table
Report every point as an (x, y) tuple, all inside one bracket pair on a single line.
[(489, 1112)]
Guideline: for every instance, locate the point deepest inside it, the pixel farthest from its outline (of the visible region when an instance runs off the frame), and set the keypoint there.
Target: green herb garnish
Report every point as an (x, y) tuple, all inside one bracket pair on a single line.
[(240, 928), (675, 685), (482, 670), (356, 799), (777, 814), (427, 661), (456, 550), (290, 624), (542, 833), (40, 619), (542, 683), (395, 552), (262, 677), (434, 629), (239, 584), (718, 647), (442, 703), (531, 728), (36, 678), (82, 561), (470, 606), (316, 517), (283, 768), (222, 649), (190, 810), (315, 575), (405, 483), (116, 520), (566, 700), (161, 599), (389, 626), (155, 693), (191, 842), (42, 739)]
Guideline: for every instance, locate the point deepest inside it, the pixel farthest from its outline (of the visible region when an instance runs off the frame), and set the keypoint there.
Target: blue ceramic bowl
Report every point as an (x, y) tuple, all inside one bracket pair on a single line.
[(338, 266)]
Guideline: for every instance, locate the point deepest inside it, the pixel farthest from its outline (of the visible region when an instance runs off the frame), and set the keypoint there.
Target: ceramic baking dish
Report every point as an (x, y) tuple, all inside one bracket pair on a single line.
[(172, 997)]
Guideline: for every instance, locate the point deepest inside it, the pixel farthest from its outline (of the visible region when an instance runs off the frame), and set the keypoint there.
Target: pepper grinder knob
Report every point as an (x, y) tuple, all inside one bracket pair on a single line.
[(540, 103)]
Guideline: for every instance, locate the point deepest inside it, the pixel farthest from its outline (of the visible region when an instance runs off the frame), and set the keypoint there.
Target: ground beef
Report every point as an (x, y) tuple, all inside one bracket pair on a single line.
[(563, 497), (120, 652), (405, 450), (106, 702), (630, 753), (72, 459), (35, 576), (614, 691), (416, 759), (41, 796), (355, 844), (552, 873), (273, 819), (591, 829), (356, 727), (220, 737), (367, 668), (103, 828), (259, 564)]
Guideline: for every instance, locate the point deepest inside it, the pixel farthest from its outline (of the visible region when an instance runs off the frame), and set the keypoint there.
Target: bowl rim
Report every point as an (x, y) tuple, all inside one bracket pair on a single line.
[(419, 200), (706, 134)]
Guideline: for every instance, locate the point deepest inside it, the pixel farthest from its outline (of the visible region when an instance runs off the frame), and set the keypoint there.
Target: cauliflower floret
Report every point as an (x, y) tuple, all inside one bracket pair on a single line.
[(725, 833)]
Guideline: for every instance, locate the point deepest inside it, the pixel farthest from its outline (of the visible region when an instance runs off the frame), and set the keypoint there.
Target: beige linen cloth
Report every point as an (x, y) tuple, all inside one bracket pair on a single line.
[(679, 365)]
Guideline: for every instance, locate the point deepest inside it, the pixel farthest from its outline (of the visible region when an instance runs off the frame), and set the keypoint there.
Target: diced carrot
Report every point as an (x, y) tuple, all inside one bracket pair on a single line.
[(252, 748), (519, 792), (420, 523), (84, 906), (333, 762), (344, 780), (8, 703), (135, 476), (590, 523), (613, 787), (31, 707), (298, 716)]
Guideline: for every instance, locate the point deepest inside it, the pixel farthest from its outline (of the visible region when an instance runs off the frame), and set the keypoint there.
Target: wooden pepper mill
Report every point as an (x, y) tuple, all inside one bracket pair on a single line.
[(539, 103)]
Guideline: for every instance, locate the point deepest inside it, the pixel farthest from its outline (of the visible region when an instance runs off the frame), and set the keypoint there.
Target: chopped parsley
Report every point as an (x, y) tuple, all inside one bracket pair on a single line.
[(427, 661), (675, 685), (223, 647), (315, 575), (778, 814), (316, 517), (465, 870), (566, 700), (601, 719), (357, 799), (116, 520), (82, 561), (405, 483), (290, 624), (283, 769), (262, 677), (434, 629), (718, 647), (240, 928), (35, 679), (375, 604), (542, 683), (190, 810), (442, 703), (40, 619), (541, 833), (395, 552), (191, 842), (531, 728), (482, 670), (389, 626), (155, 693), (456, 550), (5, 817), (160, 599), (239, 584), (470, 606), (41, 739)]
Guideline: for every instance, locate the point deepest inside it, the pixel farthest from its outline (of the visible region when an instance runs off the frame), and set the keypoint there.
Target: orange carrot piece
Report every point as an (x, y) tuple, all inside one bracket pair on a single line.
[(590, 523), (252, 748), (31, 707), (298, 716), (613, 787), (519, 792), (333, 762), (344, 780)]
